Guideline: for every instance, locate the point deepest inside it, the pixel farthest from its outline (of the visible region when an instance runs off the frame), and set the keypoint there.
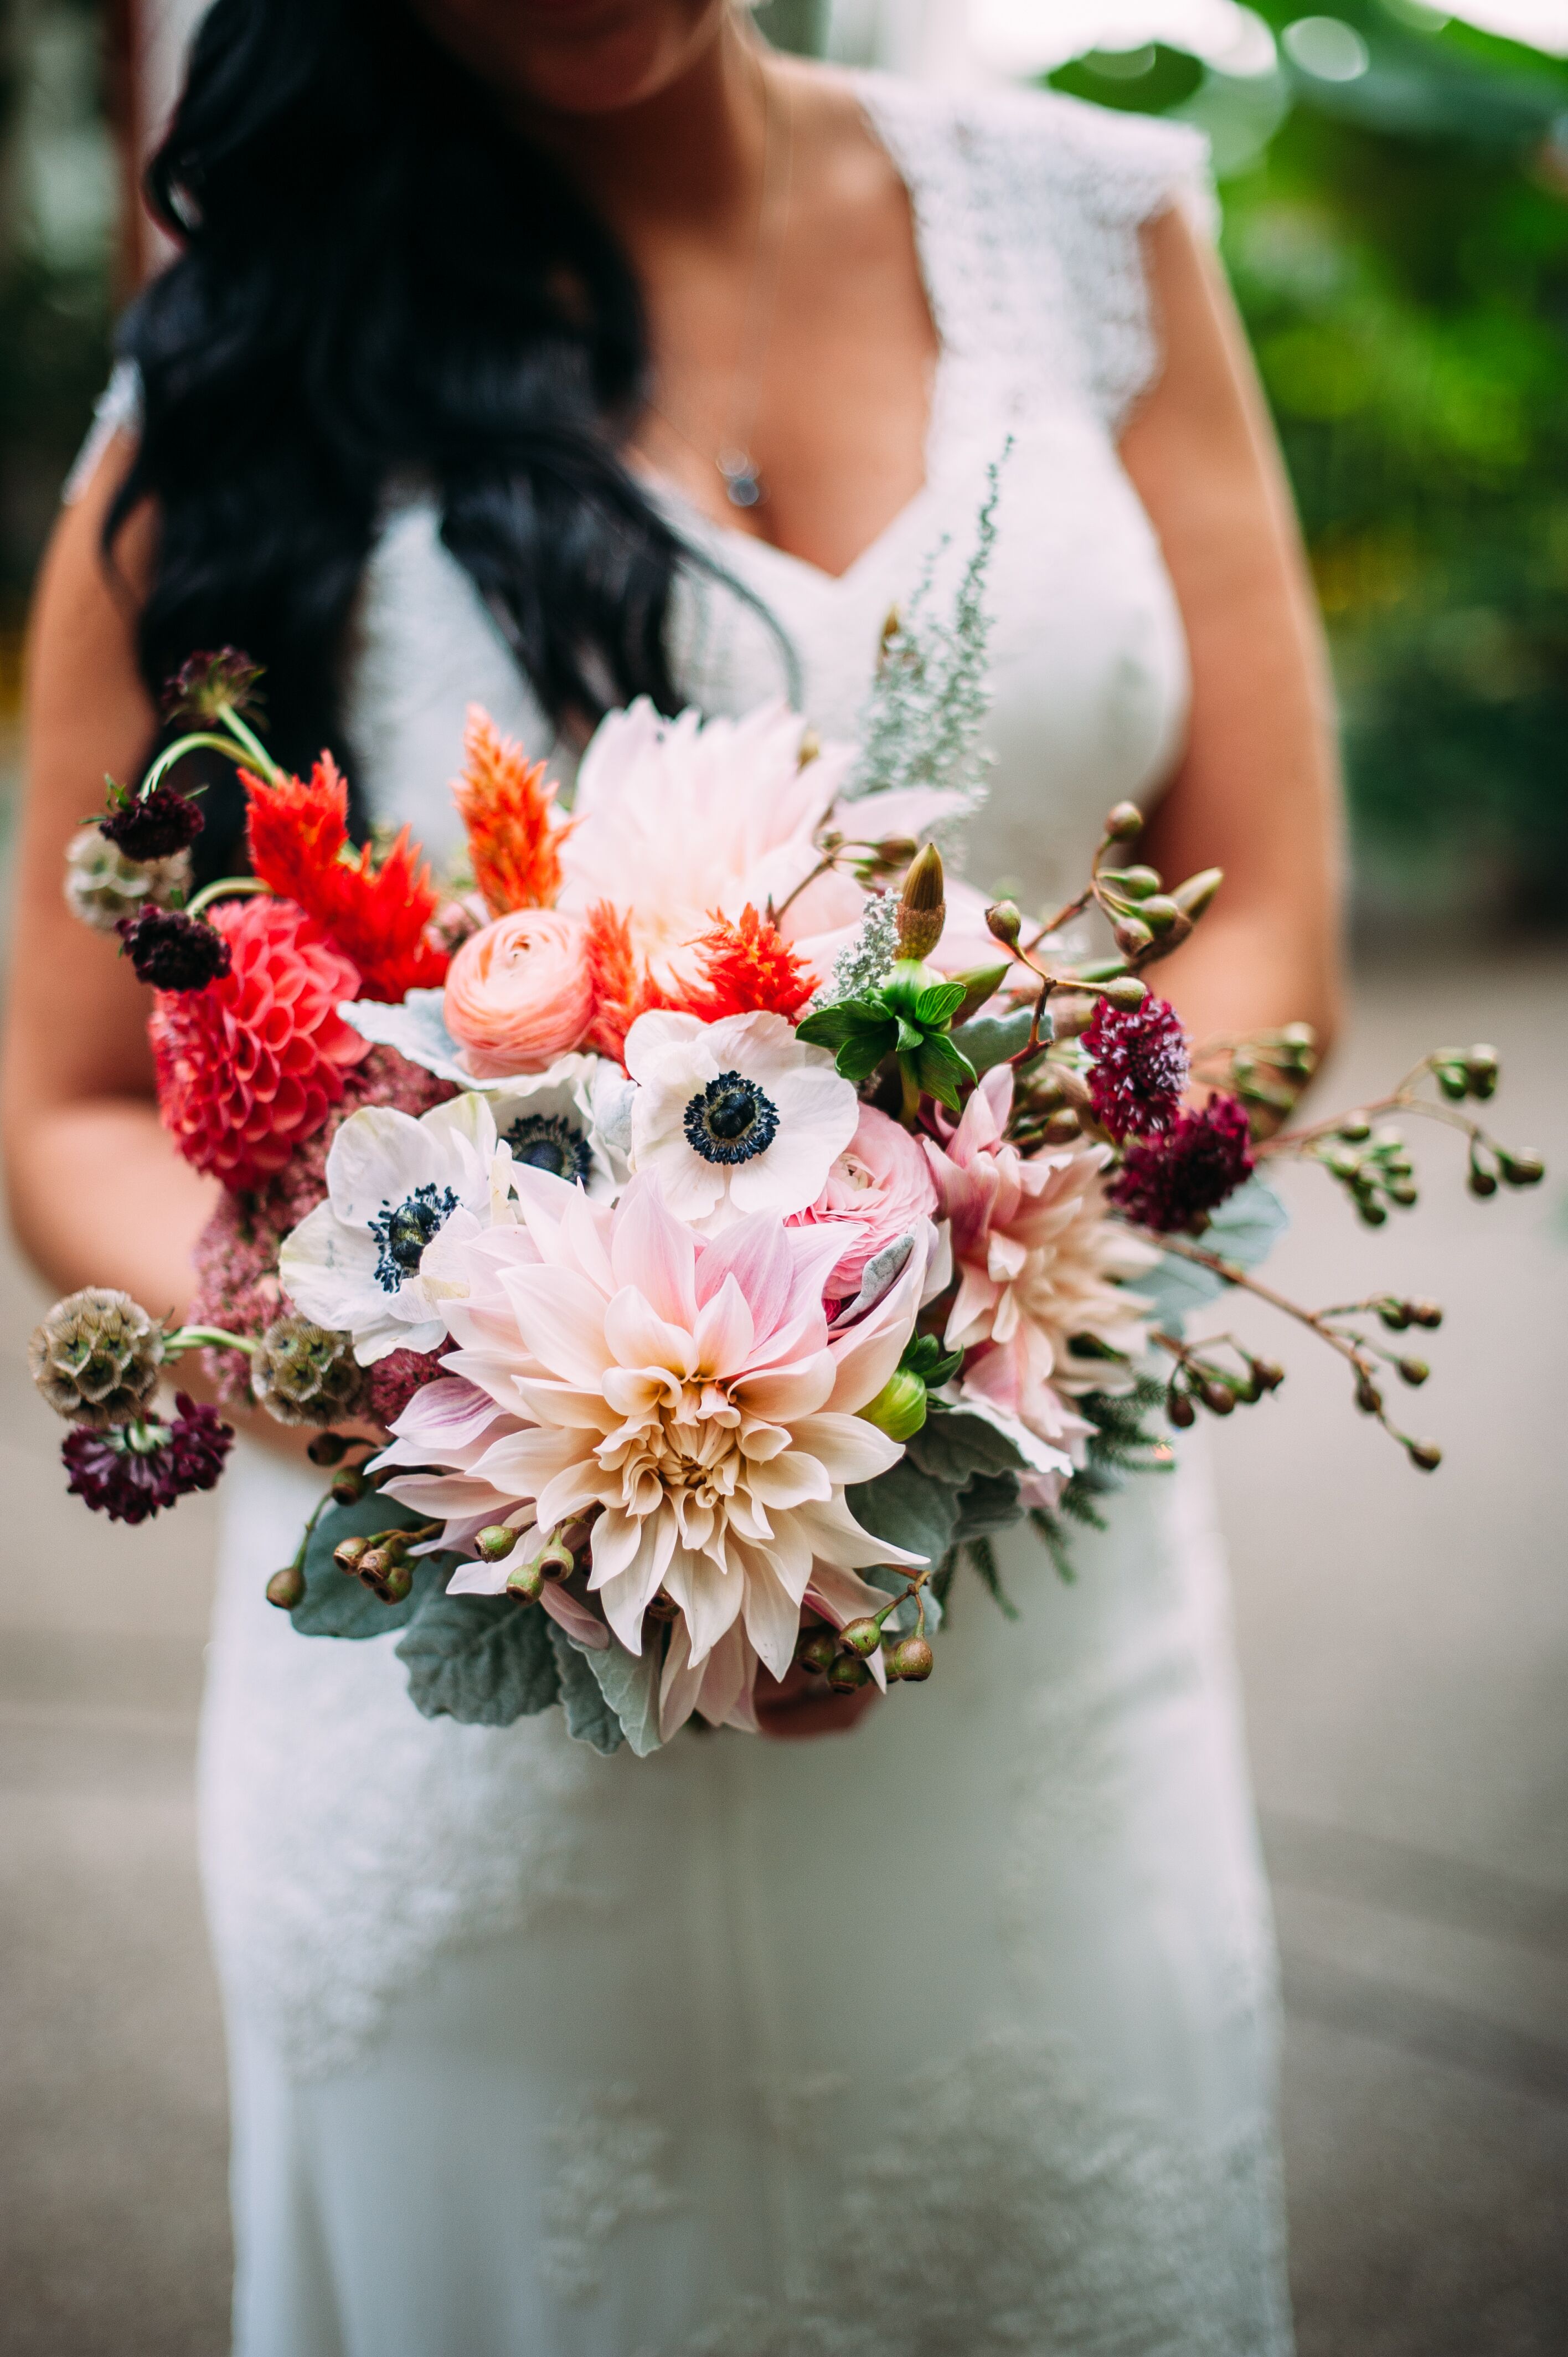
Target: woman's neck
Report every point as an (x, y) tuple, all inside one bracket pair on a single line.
[(683, 159)]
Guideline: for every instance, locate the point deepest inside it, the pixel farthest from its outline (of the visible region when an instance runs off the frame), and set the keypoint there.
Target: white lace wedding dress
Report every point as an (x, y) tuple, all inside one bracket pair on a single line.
[(950, 2039)]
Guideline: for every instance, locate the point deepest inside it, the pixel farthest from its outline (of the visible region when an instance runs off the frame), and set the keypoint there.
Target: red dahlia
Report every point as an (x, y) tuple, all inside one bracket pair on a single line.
[(1140, 1066), (1172, 1183), (251, 1065)]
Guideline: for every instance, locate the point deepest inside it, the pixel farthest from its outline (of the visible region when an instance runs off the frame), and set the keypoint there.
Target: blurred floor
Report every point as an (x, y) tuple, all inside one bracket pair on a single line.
[(1405, 1649)]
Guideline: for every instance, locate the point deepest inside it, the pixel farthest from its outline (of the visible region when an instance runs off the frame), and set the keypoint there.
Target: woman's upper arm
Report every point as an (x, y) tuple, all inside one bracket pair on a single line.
[(1257, 790)]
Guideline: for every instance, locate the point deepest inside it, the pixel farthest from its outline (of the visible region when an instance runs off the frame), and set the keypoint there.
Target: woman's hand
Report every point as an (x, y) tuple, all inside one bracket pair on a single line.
[(799, 1705)]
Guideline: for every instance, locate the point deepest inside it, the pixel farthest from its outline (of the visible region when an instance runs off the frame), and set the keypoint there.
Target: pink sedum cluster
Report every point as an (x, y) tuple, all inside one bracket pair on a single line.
[(687, 1393)]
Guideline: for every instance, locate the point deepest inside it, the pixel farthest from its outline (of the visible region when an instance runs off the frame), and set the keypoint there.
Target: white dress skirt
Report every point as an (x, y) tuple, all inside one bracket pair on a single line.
[(951, 2037)]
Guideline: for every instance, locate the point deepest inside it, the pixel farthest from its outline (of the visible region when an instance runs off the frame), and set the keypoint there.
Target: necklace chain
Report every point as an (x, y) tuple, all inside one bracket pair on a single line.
[(734, 460)]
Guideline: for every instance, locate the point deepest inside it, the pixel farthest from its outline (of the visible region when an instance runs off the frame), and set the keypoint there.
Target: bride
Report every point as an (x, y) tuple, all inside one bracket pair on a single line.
[(547, 352)]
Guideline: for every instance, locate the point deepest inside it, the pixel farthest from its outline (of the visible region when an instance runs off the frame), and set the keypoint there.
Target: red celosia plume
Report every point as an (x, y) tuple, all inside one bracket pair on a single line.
[(621, 990), (748, 969), (376, 913), (508, 806)]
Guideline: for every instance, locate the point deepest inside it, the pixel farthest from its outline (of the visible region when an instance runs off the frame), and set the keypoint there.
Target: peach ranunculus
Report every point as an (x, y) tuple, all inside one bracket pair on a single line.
[(878, 1189), (519, 993)]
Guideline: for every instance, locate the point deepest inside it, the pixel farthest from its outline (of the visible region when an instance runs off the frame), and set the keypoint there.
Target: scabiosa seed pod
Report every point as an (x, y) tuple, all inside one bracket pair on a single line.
[(305, 1373), (96, 1357), (155, 825), (174, 952), (102, 886), (1140, 1066), (136, 1469), (1172, 1182)]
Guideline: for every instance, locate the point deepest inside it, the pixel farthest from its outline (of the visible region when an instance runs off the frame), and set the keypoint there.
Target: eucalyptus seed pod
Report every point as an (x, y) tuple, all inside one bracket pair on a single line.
[(556, 1561), (396, 1582), (893, 850), (847, 1672), (1355, 1129), (1481, 1070), (348, 1487), (526, 1584), (1159, 912), (1481, 1182), (1180, 1409), (1369, 1398), (1396, 1314), (1125, 992), (1132, 936), (1268, 1374), (96, 1356), (1520, 1169), (305, 1373), (1428, 1314), (1123, 822), (1133, 883), (922, 908), (327, 1449), (374, 1563), (495, 1542), (1373, 1214), (818, 1653), (1413, 1370), (911, 1660), (348, 1554), (862, 1637), (1004, 922), (1217, 1398), (286, 1587), (1424, 1453), (1404, 1193)]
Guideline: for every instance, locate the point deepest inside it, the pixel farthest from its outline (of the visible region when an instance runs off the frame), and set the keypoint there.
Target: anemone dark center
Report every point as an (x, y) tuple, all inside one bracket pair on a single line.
[(404, 1230), (548, 1141), (731, 1120)]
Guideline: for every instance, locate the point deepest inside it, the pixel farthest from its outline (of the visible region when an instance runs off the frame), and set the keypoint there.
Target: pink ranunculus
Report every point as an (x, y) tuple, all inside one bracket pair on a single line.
[(519, 993), (878, 1189)]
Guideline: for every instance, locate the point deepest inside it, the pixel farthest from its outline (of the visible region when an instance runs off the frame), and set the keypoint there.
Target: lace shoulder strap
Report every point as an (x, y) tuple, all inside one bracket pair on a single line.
[(1028, 206), (118, 410)]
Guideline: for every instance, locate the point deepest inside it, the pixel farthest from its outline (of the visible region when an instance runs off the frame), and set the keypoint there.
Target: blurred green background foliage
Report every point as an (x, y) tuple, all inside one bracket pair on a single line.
[(1395, 193), (1397, 234)]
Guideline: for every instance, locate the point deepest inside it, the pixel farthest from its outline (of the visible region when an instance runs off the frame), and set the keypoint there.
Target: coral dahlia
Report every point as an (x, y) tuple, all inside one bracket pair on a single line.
[(251, 1066)]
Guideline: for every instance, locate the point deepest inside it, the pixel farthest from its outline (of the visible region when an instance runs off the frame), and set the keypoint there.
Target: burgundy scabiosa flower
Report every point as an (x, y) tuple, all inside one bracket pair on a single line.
[(1140, 1066), (152, 826), (133, 1470), (174, 952), (1174, 1181)]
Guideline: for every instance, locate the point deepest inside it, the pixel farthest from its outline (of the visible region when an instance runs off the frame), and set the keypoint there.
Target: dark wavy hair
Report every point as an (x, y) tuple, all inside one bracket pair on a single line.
[(379, 279)]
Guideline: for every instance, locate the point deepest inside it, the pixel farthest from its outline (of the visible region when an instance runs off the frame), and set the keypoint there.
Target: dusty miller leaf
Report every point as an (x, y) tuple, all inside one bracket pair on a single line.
[(480, 1659)]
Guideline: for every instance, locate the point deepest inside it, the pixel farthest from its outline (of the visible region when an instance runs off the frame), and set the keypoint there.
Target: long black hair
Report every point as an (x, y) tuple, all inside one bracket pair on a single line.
[(380, 279)]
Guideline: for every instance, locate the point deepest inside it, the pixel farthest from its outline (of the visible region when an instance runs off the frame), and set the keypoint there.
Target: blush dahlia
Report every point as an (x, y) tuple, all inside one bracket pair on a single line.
[(250, 1067)]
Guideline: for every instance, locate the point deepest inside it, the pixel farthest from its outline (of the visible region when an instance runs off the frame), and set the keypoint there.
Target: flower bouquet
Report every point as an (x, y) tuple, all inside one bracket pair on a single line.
[(699, 1228)]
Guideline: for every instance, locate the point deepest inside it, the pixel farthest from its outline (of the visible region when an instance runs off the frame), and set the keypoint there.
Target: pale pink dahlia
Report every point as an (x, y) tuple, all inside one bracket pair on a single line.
[(1038, 1263), (682, 1393)]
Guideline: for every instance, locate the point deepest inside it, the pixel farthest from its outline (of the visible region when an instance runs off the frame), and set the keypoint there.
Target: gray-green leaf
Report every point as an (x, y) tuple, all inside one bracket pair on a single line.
[(629, 1684), (336, 1604), (480, 1659), (906, 1509), (951, 1445), (589, 1716)]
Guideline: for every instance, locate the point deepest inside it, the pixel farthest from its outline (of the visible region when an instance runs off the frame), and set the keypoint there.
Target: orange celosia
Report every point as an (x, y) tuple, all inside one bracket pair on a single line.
[(508, 806), (297, 832), (621, 992)]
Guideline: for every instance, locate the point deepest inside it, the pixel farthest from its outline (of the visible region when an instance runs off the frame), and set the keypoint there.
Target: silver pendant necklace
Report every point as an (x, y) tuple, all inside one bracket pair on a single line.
[(736, 468)]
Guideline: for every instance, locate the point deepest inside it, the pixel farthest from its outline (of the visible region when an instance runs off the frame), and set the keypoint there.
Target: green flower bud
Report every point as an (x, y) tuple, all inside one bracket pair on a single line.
[(1355, 1129), (1159, 912), (1404, 1193), (1369, 1398), (1424, 1453), (1004, 922), (1481, 1070), (899, 1408), (286, 1587), (1133, 883), (1454, 1080), (1191, 898), (1481, 1182), (1268, 1374), (1520, 1169), (1413, 1370), (1396, 1314), (1373, 1214), (1426, 1313), (1133, 936), (912, 1660), (1123, 822)]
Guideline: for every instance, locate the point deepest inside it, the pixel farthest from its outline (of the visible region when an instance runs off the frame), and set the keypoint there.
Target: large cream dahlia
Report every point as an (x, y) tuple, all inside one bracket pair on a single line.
[(685, 1392)]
